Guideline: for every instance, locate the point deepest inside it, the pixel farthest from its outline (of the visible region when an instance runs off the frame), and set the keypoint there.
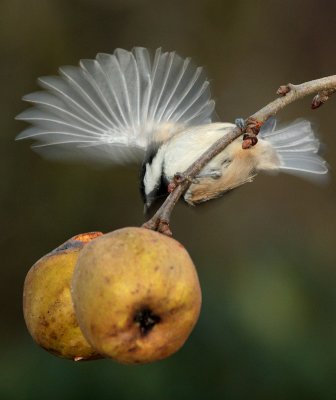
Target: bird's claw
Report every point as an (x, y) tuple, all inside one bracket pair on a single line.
[(240, 122)]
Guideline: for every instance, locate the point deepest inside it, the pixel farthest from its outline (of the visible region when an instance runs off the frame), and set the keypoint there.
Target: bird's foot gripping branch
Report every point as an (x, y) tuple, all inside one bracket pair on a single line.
[(289, 93)]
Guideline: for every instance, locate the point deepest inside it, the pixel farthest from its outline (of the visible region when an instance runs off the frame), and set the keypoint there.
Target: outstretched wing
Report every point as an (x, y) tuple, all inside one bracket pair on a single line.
[(113, 107)]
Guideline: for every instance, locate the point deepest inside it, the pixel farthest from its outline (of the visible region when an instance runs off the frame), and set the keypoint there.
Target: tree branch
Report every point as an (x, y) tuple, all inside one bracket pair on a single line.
[(324, 88)]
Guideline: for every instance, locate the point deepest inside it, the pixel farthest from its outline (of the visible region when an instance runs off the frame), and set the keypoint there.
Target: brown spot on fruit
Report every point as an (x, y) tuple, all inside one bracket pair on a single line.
[(53, 335), (131, 349)]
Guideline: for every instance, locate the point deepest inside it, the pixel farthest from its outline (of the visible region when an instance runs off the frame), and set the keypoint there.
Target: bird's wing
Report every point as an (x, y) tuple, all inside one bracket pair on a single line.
[(112, 108)]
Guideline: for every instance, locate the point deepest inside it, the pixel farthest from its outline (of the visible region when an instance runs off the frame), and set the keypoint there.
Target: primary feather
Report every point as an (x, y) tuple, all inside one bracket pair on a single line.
[(112, 108)]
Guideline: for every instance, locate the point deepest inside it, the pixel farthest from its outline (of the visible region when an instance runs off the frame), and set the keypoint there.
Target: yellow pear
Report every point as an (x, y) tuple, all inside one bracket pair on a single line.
[(47, 303), (136, 295)]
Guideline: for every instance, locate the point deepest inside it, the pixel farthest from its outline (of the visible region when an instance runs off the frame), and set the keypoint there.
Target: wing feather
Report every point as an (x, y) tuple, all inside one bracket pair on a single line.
[(111, 108), (45, 101), (76, 93), (113, 82)]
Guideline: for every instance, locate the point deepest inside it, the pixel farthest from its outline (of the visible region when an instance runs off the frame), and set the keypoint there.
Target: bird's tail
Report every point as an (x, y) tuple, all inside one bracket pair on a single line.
[(297, 147)]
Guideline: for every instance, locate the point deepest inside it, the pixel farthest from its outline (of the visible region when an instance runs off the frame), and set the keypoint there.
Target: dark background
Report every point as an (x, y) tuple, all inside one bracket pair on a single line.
[(265, 253)]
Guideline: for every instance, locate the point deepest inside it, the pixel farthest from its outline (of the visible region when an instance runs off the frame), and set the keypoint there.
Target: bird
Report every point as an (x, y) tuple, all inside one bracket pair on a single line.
[(156, 109)]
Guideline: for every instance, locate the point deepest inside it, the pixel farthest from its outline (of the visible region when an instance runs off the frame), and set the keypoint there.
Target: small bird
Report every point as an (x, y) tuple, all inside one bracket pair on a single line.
[(157, 110)]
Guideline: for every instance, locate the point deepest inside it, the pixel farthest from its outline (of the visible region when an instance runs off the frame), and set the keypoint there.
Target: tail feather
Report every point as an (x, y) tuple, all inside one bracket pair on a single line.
[(297, 148)]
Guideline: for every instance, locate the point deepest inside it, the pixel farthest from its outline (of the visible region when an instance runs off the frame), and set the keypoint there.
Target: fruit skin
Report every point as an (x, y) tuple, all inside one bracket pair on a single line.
[(136, 295), (47, 303)]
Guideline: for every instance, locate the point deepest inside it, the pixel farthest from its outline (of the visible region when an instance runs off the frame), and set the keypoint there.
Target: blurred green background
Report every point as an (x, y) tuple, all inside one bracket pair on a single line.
[(265, 253)]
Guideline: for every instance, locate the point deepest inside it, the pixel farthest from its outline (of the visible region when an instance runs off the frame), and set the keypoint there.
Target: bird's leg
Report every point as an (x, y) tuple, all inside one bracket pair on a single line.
[(240, 122)]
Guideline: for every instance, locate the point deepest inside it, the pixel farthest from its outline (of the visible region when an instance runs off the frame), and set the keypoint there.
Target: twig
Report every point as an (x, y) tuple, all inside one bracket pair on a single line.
[(322, 97), (289, 93)]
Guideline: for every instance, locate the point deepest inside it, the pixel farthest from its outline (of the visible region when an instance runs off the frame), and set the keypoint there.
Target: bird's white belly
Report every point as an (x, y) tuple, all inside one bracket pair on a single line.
[(186, 148)]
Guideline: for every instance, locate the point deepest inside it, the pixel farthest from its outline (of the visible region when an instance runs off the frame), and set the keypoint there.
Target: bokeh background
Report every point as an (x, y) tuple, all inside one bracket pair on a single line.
[(265, 253)]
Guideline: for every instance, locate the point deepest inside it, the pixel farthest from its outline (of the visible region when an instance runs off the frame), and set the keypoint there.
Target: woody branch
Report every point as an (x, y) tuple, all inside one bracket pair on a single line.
[(322, 88)]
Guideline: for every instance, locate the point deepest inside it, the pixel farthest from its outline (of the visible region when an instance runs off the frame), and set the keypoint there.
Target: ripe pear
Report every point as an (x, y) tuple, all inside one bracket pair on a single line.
[(136, 295), (47, 303)]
